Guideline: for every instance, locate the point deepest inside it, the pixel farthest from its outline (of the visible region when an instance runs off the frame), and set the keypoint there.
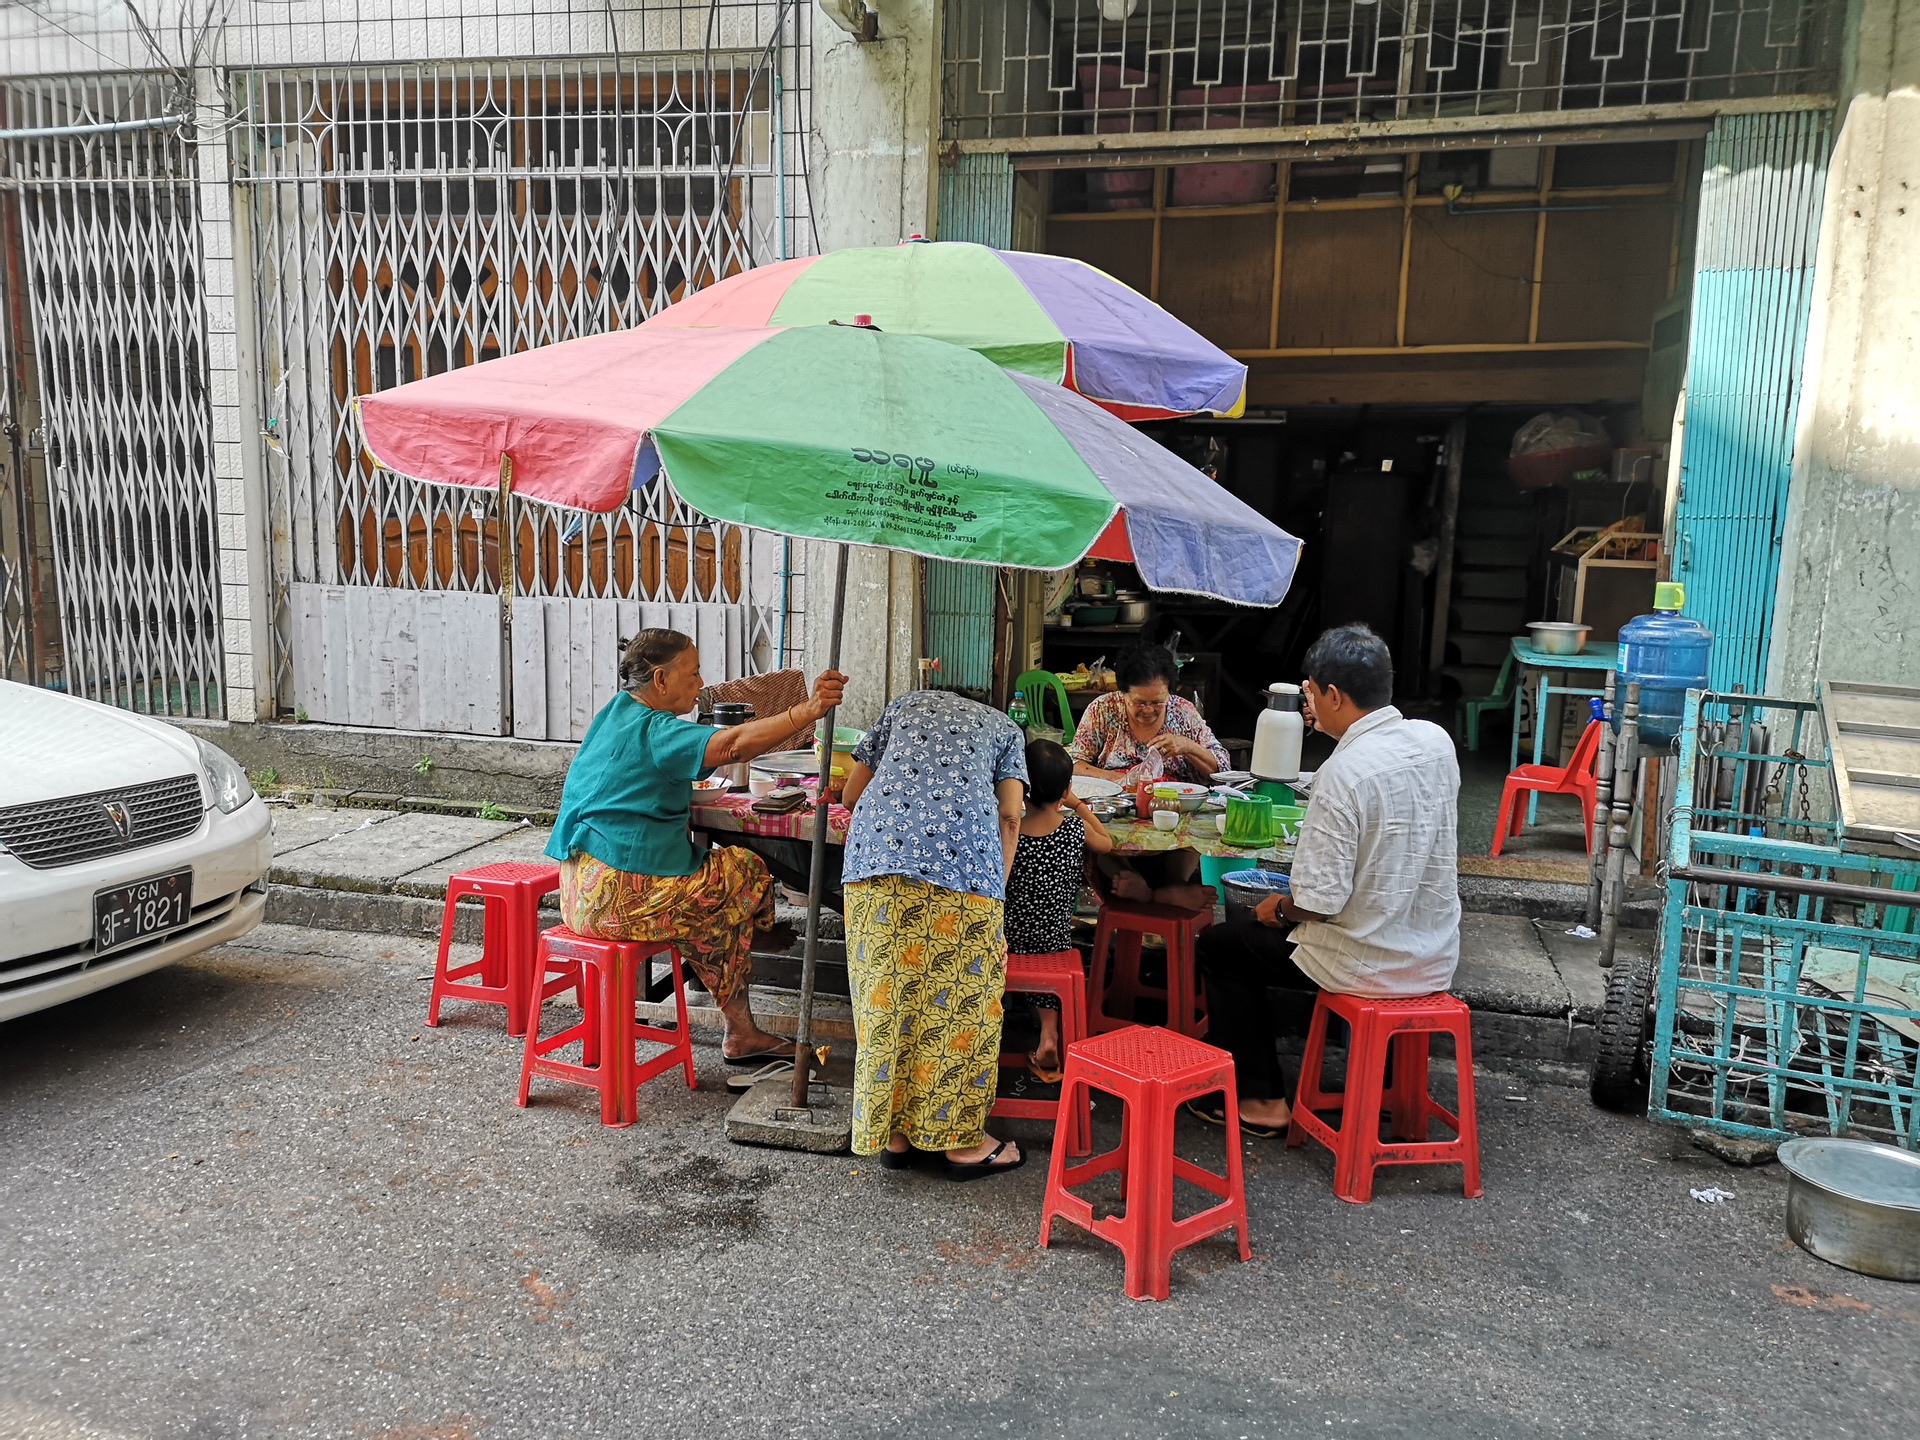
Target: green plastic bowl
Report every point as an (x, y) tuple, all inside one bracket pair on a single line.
[(1286, 821), (845, 738)]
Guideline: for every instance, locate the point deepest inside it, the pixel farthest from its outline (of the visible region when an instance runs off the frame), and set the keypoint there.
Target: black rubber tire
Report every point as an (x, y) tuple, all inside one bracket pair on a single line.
[(1619, 1080)]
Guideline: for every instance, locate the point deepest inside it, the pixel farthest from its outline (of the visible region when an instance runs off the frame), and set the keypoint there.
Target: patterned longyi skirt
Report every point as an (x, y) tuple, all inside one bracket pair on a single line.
[(927, 968), (710, 915)]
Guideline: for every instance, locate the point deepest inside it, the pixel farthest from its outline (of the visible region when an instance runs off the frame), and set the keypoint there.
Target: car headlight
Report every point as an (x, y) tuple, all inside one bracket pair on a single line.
[(225, 778)]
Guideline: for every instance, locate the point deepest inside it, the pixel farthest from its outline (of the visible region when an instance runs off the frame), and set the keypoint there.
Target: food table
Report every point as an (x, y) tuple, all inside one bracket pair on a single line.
[(1133, 836), (783, 841), (1593, 658)]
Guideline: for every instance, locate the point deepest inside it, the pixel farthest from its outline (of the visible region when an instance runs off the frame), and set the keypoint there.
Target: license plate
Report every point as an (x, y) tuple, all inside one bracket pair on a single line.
[(127, 913)]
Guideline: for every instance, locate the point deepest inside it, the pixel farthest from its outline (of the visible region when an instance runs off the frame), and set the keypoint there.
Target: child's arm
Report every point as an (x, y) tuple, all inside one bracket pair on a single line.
[(1098, 840)]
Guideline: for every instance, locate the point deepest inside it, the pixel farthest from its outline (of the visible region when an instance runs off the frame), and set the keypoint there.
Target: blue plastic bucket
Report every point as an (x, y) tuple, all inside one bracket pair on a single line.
[(1245, 889)]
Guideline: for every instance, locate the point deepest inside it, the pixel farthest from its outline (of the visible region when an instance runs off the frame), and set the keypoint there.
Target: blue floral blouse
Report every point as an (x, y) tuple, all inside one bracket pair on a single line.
[(929, 812)]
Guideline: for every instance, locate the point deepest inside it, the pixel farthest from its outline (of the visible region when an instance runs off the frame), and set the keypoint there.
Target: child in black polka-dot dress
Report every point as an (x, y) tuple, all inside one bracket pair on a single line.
[(1048, 870)]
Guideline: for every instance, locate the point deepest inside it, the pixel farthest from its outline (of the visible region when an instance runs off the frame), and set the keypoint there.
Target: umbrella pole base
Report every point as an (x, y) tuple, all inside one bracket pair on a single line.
[(765, 1115)]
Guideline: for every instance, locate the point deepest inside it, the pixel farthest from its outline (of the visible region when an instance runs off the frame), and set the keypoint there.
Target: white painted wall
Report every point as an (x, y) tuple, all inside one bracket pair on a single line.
[(1849, 595)]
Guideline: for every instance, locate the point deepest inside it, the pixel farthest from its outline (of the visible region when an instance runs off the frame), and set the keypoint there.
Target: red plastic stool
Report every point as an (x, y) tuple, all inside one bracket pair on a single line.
[(605, 976), (510, 894), (1058, 975), (1116, 965), (1151, 1070), (1357, 1148)]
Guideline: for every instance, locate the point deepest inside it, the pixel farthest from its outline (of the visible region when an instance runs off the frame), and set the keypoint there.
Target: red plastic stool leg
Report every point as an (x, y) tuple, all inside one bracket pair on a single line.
[(1235, 1181), (1359, 1141), (680, 1013), (617, 1035), (1149, 1247), (440, 962), (1308, 1096), (1469, 1121), (1407, 1099)]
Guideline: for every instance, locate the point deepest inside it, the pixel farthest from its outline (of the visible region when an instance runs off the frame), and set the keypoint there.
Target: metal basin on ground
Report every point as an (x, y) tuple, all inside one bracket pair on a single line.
[(1855, 1204)]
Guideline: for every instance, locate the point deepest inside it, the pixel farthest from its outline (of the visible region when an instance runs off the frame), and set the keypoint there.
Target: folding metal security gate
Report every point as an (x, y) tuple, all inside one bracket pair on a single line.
[(107, 359), (408, 220)]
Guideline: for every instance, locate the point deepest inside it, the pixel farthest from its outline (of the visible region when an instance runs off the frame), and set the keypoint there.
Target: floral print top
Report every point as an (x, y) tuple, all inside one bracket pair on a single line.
[(930, 812), (1104, 740)]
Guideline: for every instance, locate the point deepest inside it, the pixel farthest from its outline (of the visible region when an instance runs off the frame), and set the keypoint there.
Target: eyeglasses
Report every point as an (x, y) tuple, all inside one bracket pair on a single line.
[(1148, 707)]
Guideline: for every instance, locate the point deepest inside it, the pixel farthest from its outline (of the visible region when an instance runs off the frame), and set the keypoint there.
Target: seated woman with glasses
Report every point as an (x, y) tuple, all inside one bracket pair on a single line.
[(1142, 731)]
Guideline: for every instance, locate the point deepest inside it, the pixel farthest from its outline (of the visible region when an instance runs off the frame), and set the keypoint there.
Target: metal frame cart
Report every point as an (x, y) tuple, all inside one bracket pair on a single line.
[(1787, 992)]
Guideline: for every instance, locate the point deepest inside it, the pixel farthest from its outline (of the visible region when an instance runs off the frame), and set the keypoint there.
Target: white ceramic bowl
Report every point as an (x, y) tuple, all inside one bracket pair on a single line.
[(1166, 819)]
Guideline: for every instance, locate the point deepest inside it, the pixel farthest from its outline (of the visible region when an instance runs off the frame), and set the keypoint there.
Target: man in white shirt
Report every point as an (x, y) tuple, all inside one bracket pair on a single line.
[(1375, 899)]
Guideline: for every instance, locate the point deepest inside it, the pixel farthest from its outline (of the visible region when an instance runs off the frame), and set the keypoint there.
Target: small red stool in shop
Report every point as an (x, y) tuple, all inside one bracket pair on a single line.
[(510, 893), (1116, 965), (1152, 1071), (606, 977), (1058, 975), (1406, 1024)]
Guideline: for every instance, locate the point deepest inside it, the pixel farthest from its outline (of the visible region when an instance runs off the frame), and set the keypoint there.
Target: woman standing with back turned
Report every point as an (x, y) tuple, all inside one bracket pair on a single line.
[(937, 789)]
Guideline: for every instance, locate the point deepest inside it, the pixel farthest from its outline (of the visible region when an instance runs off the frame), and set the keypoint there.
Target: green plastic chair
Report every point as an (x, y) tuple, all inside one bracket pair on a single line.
[(1472, 708), (1034, 686)]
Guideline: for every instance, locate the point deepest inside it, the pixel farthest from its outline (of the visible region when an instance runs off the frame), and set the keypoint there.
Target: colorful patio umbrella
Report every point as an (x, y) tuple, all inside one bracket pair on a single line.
[(1047, 316), (836, 433)]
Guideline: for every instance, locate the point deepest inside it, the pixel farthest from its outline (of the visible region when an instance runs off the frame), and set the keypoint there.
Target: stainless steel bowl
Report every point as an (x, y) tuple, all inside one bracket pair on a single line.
[(1558, 637), (1855, 1204)]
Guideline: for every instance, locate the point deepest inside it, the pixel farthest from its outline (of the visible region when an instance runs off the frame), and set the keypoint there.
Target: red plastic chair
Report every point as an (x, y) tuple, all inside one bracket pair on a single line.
[(1152, 1071), (509, 893), (1357, 1147), (1116, 965), (1577, 778), (605, 976), (1058, 975)]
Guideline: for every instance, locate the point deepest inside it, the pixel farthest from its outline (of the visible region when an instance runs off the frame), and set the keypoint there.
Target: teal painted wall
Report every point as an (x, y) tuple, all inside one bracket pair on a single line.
[(1760, 207)]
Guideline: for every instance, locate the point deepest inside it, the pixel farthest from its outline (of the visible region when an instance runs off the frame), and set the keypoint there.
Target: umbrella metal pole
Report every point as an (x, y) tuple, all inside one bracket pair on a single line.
[(505, 547), (816, 882)]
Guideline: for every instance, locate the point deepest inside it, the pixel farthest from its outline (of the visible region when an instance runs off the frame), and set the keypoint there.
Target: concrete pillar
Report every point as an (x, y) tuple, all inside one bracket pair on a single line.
[(246, 617), (1848, 603), (875, 108), (880, 636)]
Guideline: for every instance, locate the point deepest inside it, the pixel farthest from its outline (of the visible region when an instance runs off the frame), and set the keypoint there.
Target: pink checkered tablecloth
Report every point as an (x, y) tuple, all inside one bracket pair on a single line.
[(734, 814)]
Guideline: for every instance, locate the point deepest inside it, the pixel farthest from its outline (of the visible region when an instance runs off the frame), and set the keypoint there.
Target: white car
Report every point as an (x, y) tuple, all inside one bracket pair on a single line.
[(125, 845)]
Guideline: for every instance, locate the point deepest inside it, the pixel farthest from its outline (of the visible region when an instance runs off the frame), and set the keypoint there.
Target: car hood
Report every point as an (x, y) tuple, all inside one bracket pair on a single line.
[(53, 745)]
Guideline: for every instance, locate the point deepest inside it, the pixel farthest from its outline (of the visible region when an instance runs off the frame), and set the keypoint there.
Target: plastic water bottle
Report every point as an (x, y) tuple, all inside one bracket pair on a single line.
[(1669, 655), (1017, 711)]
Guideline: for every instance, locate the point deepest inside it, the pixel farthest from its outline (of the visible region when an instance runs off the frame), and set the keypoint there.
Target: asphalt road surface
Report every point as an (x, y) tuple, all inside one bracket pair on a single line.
[(254, 1196)]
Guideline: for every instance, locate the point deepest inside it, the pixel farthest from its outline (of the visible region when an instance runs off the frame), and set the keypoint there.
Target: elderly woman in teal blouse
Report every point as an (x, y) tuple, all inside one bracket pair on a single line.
[(629, 869)]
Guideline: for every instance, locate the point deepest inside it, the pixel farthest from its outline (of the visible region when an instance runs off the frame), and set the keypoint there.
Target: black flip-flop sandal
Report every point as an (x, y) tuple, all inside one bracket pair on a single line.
[(907, 1159), (1218, 1116), (963, 1170)]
